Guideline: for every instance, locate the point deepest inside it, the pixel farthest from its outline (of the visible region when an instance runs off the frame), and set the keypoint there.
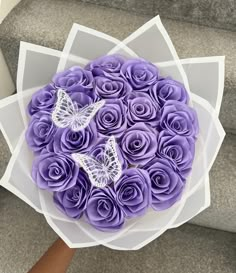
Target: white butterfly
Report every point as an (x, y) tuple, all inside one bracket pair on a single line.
[(67, 113), (100, 173)]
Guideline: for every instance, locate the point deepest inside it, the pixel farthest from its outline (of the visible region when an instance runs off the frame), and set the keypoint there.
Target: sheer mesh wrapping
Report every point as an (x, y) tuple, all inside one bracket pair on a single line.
[(203, 79)]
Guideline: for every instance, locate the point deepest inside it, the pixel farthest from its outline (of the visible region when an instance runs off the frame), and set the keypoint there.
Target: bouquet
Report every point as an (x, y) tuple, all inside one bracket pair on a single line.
[(113, 141)]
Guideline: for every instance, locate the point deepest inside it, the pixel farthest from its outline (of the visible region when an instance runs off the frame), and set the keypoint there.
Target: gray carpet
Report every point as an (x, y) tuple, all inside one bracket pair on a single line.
[(48, 23), (4, 155), (25, 236), (135, 6), (213, 13), (222, 212)]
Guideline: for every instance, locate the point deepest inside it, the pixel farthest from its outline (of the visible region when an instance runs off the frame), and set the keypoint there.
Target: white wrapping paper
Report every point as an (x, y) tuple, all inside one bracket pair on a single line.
[(203, 79)]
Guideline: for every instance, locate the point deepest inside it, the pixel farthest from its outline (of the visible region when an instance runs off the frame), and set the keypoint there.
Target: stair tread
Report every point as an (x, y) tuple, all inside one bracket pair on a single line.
[(222, 212), (217, 13), (189, 249)]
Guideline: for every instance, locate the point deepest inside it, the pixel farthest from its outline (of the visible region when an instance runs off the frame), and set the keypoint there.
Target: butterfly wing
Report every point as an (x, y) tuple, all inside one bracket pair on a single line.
[(67, 114), (97, 175), (86, 114), (111, 160), (65, 110)]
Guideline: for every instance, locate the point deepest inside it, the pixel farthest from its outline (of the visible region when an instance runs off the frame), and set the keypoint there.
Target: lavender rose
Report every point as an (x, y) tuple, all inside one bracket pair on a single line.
[(179, 150), (178, 118), (103, 211), (133, 192), (73, 201), (97, 152), (139, 73), (142, 109), (40, 131), (54, 172), (74, 79), (168, 89), (106, 66), (139, 144), (43, 100), (68, 141), (111, 88), (111, 118), (166, 184), (81, 99)]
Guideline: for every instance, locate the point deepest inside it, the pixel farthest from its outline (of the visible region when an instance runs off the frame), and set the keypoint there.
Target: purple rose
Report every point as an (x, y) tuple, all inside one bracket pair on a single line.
[(98, 150), (68, 141), (43, 100), (139, 73), (179, 150), (139, 144), (54, 172), (73, 201), (109, 65), (166, 184), (168, 89), (82, 99), (178, 118), (133, 192), (111, 88), (40, 131), (111, 118), (142, 109), (103, 211), (74, 79)]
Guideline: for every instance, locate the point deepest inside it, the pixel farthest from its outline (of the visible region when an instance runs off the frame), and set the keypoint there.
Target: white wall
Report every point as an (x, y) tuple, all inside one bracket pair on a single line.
[(7, 86), (6, 6)]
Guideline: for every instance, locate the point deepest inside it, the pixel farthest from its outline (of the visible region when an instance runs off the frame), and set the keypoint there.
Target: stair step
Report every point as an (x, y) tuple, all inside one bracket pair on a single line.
[(186, 249), (139, 7), (222, 212), (212, 13), (217, 13), (48, 23)]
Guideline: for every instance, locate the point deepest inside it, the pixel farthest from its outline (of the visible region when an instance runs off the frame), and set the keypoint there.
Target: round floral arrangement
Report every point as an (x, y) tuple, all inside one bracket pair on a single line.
[(112, 140)]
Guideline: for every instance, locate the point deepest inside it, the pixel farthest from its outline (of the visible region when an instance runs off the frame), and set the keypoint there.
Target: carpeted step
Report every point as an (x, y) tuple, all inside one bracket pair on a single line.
[(48, 23), (213, 13), (25, 236), (222, 212)]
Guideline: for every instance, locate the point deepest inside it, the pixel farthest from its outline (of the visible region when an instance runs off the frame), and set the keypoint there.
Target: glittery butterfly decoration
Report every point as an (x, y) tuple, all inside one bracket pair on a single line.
[(68, 114), (101, 172)]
